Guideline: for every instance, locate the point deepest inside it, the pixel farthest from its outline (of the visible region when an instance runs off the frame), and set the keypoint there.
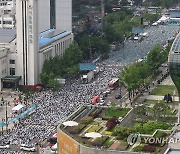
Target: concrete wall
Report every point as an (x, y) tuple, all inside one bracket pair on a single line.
[(127, 121), (3, 64), (87, 150)]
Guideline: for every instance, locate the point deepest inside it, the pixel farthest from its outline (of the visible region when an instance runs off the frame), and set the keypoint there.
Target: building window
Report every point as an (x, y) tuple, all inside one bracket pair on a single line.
[(7, 22), (12, 71), (52, 14), (12, 61)]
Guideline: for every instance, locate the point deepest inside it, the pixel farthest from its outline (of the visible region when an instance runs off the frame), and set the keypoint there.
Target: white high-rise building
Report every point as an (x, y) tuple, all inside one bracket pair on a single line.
[(43, 30), (7, 13), (63, 15), (44, 15), (55, 14), (27, 41)]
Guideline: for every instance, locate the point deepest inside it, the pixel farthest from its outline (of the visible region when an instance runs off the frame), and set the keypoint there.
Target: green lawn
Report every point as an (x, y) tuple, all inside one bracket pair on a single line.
[(94, 123), (162, 90), (119, 112), (108, 143), (107, 133), (94, 128)]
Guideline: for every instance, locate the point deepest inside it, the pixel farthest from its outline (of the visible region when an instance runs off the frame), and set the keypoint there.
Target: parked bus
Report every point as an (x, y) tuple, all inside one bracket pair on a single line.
[(114, 83)]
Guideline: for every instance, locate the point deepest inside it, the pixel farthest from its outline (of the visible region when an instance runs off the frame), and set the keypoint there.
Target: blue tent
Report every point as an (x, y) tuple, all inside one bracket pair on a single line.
[(87, 66), (2, 124), (22, 115), (137, 30)]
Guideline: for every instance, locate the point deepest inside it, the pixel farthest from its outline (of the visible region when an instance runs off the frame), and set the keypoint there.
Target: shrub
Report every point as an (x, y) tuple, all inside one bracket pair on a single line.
[(149, 148), (122, 131), (78, 129), (86, 120), (160, 134), (111, 123), (121, 137), (100, 140), (138, 148), (94, 113)]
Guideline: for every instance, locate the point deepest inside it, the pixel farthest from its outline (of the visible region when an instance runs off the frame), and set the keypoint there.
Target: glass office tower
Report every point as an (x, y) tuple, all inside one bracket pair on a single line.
[(174, 66)]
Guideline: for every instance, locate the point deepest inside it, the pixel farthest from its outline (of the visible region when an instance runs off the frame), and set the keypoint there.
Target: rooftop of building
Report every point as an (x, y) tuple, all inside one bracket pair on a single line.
[(7, 35), (91, 119), (50, 35)]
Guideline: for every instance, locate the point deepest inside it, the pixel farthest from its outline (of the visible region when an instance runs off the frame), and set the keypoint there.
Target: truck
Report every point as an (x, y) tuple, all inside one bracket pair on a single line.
[(95, 100), (96, 71), (88, 77)]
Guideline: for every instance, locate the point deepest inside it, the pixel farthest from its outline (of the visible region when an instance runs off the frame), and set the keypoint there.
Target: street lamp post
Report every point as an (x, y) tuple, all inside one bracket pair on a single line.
[(6, 118)]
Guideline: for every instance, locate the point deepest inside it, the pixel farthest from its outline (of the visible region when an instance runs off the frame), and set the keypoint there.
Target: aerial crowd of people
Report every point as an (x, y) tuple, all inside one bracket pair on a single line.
[(54, 107)]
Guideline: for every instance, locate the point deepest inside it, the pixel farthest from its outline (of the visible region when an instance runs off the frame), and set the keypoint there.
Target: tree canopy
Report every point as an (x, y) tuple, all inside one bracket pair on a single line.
[(137, 75), (61, 67)]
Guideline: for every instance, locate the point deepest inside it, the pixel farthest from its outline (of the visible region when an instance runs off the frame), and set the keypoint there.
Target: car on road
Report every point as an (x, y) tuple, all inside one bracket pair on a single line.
[(4, 147), (118, 96), (27, 148), (108, 91), (105, 94), (54, 147), (101, 102)]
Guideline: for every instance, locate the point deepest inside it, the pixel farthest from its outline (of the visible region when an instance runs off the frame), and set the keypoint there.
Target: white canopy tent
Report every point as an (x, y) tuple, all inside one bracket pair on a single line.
[(85, 76), (155, 24), (70, 123), (93, 135), (163, 19), (18, 107)]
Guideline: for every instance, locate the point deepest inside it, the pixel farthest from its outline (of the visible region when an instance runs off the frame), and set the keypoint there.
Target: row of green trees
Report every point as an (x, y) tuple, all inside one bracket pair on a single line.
[(119, 24), (61, 67), (139, 75), (92, 45)]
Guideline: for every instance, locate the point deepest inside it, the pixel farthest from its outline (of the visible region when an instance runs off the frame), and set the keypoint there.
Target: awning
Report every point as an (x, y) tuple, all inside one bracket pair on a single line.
[(22, 115), (12, 79), (18, 107)]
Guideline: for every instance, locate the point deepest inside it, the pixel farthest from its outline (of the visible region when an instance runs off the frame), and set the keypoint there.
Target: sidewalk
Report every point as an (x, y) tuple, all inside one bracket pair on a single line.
[(145, 95), (8, 95), (155, 97)]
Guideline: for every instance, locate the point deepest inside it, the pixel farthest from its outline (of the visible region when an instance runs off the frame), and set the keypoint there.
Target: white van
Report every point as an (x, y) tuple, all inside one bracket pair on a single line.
[(54, 147)]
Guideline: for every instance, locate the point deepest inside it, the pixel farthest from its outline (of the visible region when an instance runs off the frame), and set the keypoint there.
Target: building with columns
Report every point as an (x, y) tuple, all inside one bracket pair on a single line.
[(41, 33)]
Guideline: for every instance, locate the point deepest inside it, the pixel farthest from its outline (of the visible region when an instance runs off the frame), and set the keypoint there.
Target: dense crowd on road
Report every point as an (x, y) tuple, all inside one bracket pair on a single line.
[(55, 107), (10, 152), (134, 50)]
